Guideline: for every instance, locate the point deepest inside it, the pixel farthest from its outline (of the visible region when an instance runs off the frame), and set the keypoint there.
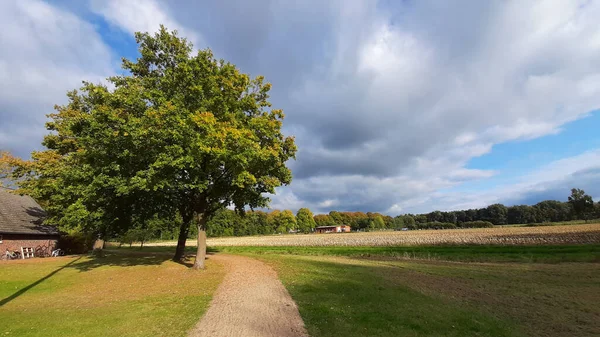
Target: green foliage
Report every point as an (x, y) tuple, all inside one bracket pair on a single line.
[(407, 220), (476, 224), (282, 221), (75, 242), (420, 218), (127, 238), (305, 221), (180, 132), (432, 225), (224, 222), (376, 223), (323, 220), (581, 203), (257, 223), (495, 214), (435, 216), (399, 221)]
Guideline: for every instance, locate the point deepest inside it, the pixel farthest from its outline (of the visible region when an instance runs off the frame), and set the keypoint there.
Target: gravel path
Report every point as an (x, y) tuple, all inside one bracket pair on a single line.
[(251, 301)]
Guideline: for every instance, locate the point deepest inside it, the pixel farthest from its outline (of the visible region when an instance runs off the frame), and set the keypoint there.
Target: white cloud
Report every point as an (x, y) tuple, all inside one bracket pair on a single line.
[(390, 101), (142, 16), (551, 181), (436, 102), (45, 52)]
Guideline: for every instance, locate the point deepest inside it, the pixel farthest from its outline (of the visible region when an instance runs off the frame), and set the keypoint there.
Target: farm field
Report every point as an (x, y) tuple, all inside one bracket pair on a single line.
[(341, 296), (543, 235), (125, 294)]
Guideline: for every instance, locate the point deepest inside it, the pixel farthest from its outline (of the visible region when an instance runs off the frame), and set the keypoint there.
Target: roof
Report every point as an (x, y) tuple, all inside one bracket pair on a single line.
[(20, 214), (333, 226)]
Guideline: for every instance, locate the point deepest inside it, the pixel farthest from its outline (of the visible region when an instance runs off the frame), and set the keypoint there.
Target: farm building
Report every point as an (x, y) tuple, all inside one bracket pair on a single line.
[(21, 225), (332, 229)]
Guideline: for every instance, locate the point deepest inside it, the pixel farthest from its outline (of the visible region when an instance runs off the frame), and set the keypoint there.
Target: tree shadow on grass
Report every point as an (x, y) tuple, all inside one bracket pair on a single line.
[(24, 290), (137, 257), (115, 258), (126, 259), (355, 300), (109, 258)]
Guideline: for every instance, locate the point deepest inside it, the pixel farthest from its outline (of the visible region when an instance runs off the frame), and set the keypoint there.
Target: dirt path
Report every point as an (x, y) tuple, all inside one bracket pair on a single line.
[(251, 301)]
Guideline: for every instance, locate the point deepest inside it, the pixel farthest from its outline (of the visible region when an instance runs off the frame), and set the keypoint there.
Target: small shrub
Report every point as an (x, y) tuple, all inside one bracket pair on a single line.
[(75, 243), (433, 225), (476, 224)]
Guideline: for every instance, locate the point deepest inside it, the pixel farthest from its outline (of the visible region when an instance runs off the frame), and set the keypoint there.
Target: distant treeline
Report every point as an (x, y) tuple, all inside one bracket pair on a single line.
[(230, 223)]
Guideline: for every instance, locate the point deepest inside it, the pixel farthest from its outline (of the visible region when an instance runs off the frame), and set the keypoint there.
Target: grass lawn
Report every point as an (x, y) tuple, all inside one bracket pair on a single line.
[(464, 253), (340, 291), (383, 296), (125, 294)]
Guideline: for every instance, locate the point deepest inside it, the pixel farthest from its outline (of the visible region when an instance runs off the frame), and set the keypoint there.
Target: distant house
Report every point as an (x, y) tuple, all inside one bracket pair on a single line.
[(21, 225), (332, 229)]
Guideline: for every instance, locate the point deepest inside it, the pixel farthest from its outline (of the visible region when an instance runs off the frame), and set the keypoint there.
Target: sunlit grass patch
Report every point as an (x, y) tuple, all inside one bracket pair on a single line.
[(118, 295)]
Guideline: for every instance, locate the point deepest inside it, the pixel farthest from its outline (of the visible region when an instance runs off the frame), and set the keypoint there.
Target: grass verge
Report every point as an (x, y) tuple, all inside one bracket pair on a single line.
[(471, 253)]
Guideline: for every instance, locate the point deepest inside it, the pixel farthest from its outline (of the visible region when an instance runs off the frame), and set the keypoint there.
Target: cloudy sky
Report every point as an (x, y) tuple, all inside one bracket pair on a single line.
[(397, 106)]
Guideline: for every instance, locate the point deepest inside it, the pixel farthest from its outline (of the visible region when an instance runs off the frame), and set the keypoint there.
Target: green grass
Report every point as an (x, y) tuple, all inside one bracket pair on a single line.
[(562, 223), (472, 253), (118, 295), (438, 290), (339, 296), (339, 299)]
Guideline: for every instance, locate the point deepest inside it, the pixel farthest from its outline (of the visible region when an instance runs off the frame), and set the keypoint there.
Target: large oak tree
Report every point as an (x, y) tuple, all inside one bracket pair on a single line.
[(180, 131)]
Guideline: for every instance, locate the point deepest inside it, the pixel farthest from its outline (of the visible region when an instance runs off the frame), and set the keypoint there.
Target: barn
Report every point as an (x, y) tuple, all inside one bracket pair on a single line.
[(21, 225), (332, 229)]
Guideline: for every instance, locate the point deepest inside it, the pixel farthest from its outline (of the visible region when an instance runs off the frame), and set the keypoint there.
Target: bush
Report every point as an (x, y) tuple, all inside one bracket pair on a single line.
[(476, 224), (75, 243), (432, 225)]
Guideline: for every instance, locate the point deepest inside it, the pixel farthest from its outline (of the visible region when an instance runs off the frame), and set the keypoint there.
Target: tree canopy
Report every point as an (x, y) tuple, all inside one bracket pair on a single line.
[(180, 133), (305, 221), (581, 203)]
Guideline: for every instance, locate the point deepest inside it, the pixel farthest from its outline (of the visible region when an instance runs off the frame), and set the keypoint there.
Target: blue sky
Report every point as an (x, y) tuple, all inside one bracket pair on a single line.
[(396, 107), (515, 157)]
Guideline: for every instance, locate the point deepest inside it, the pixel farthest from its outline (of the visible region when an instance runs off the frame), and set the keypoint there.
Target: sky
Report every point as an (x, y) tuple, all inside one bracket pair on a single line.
[(396, 106)]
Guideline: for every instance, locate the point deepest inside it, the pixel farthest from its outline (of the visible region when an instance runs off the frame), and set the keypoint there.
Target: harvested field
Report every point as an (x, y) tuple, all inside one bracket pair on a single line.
[(547, 235)]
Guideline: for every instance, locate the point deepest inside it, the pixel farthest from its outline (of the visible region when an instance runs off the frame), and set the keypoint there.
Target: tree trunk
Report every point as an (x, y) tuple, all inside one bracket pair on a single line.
[(183, 233), (201, 251)]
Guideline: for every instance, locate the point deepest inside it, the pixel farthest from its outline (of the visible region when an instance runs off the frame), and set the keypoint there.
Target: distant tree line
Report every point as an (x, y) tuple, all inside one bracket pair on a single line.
[(226, 222)]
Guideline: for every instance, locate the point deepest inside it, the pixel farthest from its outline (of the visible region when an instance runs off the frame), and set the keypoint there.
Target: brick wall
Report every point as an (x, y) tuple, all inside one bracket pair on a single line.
[(41, 243)]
